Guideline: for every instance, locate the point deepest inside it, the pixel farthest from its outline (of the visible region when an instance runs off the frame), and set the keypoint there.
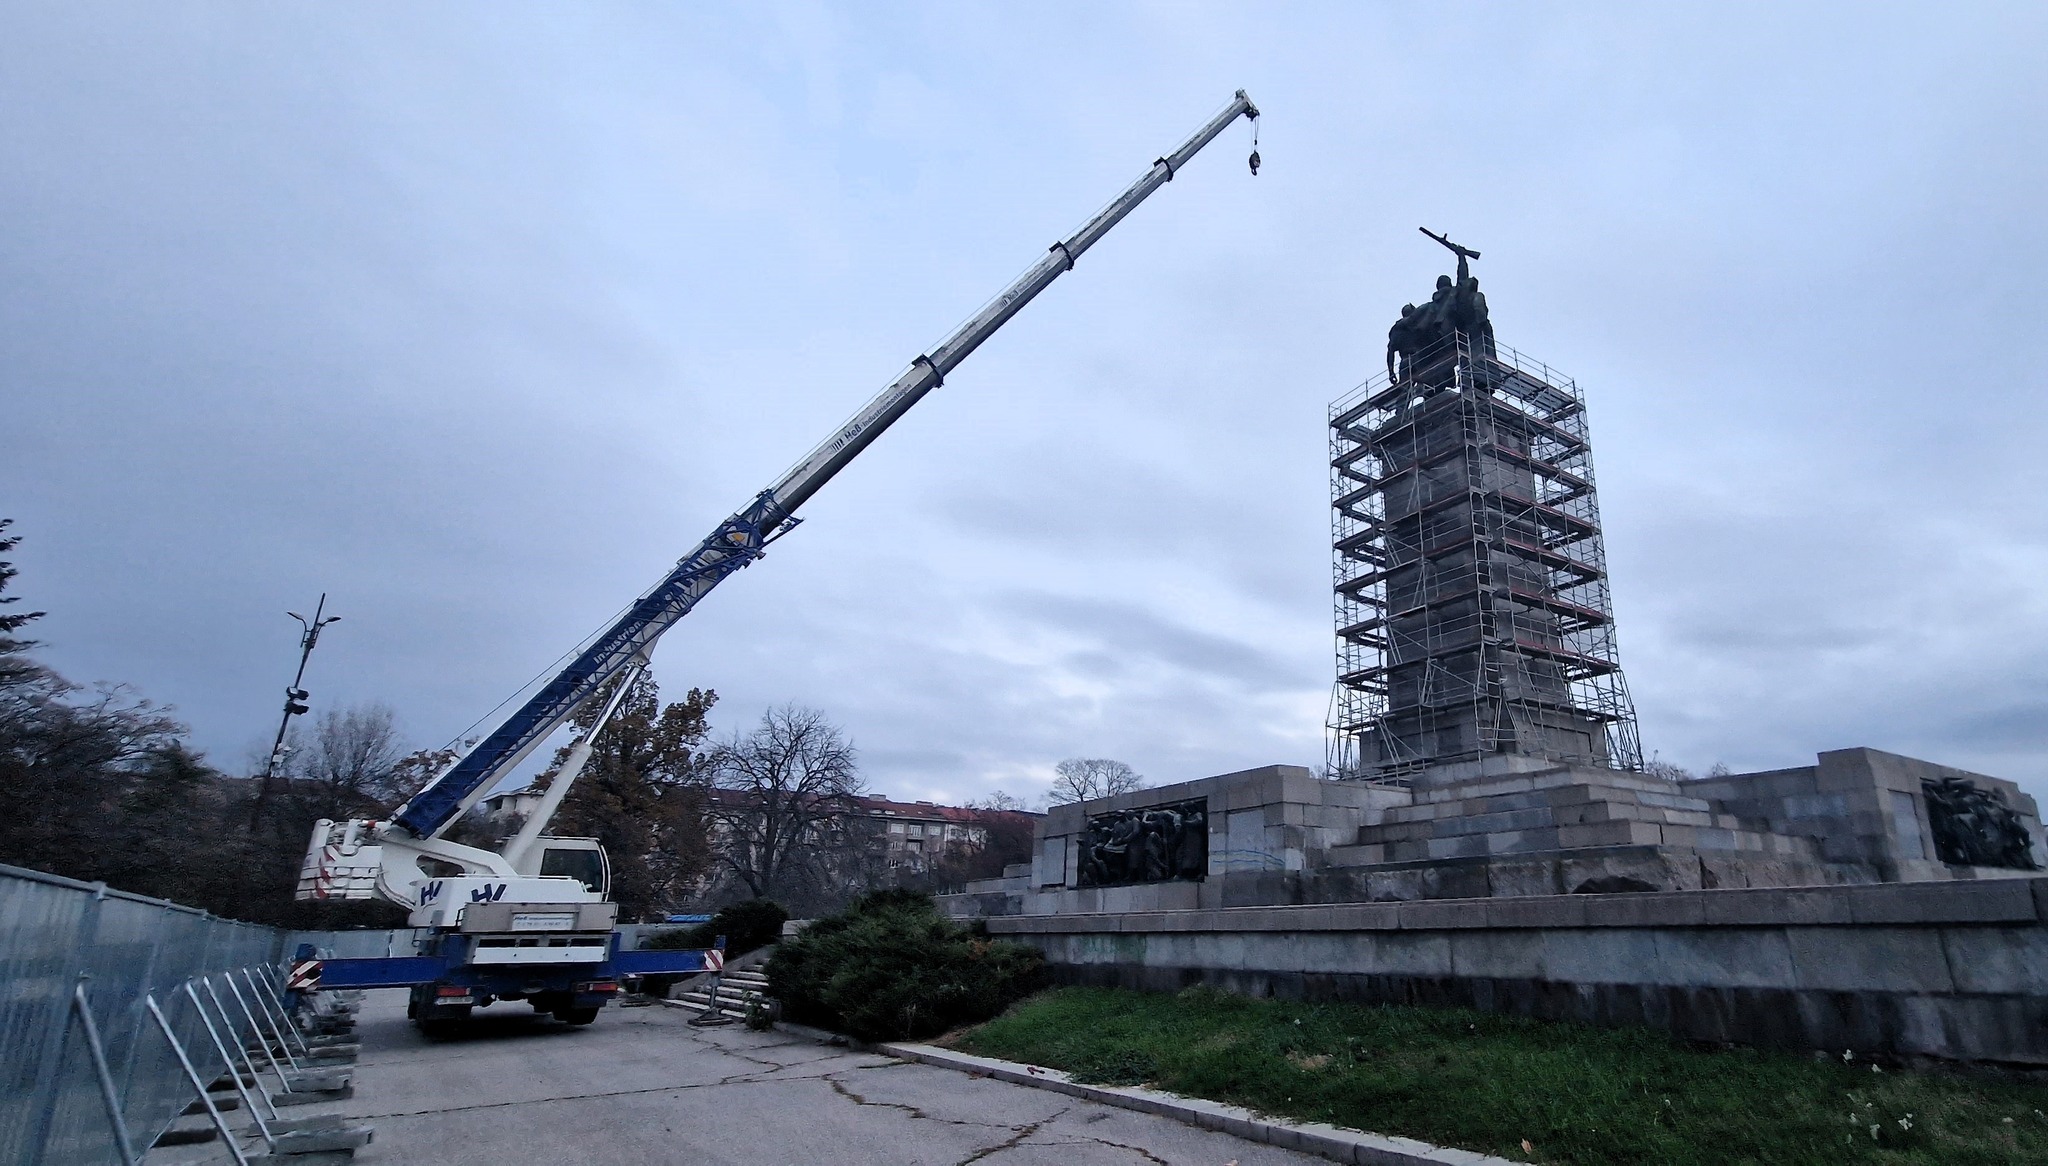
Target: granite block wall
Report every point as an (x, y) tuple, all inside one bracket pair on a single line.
[(1947, 970)]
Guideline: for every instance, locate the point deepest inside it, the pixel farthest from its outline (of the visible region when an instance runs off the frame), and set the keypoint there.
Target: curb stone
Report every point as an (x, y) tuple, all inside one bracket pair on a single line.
[(1326, 1141)]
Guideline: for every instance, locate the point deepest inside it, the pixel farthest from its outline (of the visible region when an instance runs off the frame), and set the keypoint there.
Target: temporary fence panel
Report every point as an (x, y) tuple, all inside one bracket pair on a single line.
[(57, 934)]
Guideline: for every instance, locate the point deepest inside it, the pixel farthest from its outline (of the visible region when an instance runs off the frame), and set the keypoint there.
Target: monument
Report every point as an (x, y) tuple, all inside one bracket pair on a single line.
[(1484, 832), (1472, 604)]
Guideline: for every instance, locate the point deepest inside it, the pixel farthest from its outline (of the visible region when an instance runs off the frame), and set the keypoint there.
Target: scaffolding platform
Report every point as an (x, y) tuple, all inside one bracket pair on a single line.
[(1473, 610)]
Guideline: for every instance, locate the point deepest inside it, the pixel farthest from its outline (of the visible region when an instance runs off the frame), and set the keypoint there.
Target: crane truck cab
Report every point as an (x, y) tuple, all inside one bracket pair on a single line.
[(543, 935), (535, 925)]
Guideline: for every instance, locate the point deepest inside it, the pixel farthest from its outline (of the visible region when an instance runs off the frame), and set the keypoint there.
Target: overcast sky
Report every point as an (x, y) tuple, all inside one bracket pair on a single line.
[(477, 316)]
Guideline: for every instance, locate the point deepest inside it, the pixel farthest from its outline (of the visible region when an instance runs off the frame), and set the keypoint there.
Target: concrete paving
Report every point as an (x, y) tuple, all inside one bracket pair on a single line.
[(641, 1086)]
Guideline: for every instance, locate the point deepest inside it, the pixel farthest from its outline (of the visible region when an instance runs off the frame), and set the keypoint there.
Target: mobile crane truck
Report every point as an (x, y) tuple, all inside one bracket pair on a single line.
[(532, 921)]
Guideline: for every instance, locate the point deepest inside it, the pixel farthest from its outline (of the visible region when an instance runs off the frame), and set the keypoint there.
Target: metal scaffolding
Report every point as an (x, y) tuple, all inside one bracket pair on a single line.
[(1473, 614)]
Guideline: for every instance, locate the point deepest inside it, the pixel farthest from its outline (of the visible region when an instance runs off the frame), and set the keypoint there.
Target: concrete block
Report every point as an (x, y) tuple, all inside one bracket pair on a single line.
[(2010, 960), (1834, 805), (1260, 888), (1228, 952), (1892, 959), (1509, 803), (1360, 917), (1620, 833), (1403, 953), (1443, 913), (1329, 952), (1589, 812), (1775, 907), (1594, 955), (1257, 919), (1731, 957), (1466, 846), (1542, 841), (1364, 855), (312, 1096), (1580, 795), (1543, 911), (1840, 769), (1063, 819), (1178, 950), (1489, 954), (1647, 909), (1494, 822), (1658, 868), (1511, 876), (1704, 838), (1673, 801), (314, 1141), (1985, 901)]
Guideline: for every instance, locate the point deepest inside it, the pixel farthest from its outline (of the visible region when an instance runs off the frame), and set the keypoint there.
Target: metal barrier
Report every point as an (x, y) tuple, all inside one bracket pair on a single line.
[(99, 1014)]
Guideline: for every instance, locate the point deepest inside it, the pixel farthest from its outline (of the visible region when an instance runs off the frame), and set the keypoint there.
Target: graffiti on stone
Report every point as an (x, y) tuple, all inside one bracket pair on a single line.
[(1974, 827), (1146, 845)]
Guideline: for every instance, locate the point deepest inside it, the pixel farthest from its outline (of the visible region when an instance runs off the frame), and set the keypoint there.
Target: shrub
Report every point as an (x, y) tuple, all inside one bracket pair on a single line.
[(893, 968), (746, 926)]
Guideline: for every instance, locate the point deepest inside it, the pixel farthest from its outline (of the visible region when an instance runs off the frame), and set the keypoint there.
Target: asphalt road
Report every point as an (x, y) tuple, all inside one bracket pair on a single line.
[(642, 1086)]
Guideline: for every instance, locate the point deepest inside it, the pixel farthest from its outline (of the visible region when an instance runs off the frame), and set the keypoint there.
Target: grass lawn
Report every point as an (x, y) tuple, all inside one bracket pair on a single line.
[(1481, 1082)]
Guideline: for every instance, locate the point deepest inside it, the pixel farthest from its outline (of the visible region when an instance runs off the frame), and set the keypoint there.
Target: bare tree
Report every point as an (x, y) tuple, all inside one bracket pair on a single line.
[(1082, 779), (353, 763), (782, 805), (1668, 770)]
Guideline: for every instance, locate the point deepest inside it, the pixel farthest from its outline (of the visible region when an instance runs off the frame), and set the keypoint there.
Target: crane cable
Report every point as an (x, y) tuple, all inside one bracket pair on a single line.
[(1254, 159)]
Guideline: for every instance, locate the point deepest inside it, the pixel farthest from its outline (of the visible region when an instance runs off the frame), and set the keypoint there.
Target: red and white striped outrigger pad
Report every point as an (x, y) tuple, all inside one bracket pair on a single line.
[(304, 976), (714, 960)]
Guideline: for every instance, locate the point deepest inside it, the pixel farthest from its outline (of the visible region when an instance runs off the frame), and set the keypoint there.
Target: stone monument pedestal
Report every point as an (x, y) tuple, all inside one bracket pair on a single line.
[(1513, 826)]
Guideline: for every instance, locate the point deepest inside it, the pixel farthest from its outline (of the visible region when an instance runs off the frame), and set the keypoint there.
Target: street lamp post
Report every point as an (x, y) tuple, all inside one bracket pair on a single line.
[(295, 696)]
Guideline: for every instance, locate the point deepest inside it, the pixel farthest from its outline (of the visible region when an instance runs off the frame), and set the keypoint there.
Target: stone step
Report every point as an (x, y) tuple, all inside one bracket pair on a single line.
[(1551, 838), (1543, 779), (1579, 793), (1585, 813)]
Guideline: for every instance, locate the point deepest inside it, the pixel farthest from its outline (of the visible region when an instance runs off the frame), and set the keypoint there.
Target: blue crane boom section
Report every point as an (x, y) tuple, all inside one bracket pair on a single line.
[(741, 538)]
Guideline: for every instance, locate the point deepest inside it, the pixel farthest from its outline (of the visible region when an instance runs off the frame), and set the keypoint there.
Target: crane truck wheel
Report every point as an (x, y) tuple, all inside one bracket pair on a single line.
[(576, 1015), (442, 1028)]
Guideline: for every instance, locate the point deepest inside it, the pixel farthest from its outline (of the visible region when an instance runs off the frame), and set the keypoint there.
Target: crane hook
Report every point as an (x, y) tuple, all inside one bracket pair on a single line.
[(1254, 159)]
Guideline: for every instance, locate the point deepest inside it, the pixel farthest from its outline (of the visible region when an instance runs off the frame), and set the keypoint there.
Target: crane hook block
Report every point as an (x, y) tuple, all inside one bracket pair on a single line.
[(1255, 162)]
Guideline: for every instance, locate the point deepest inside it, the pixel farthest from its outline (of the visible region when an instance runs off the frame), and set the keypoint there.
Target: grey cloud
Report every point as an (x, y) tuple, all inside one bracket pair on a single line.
[(478, 318)]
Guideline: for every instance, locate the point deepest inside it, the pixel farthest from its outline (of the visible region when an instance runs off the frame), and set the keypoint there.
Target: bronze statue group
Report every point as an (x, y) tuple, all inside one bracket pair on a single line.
[(1146, 845), (1416, 344)]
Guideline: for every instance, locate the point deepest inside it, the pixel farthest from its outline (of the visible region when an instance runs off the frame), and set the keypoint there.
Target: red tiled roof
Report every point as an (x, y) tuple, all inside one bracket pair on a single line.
[(879, 807), (883, 807)]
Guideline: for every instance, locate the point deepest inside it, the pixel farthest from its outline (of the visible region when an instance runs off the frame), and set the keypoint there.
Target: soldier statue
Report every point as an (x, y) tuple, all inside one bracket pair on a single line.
[(1457, 306)]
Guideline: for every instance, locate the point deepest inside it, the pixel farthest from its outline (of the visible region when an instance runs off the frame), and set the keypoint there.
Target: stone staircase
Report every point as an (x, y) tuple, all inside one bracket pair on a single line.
[(1560, 828), (736, 989), (1558, 809)]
